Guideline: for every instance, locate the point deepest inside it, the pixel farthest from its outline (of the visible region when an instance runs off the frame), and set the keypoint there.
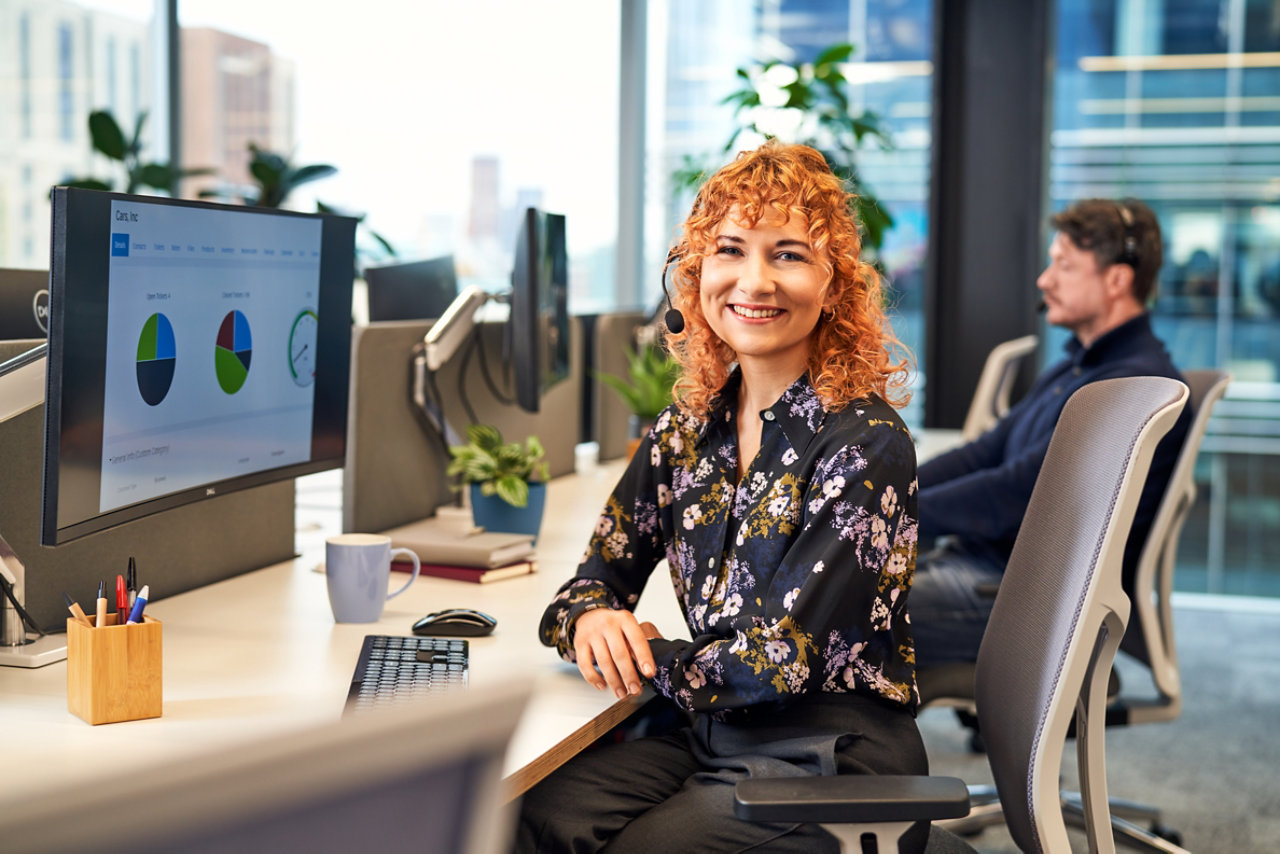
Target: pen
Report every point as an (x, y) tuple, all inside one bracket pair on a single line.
[(102, 604), (135, 616), (122, 601), (76, 611), (132, 581)]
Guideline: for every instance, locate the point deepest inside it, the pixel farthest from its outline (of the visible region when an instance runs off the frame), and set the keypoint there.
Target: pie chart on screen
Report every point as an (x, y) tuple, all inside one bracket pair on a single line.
[(235, 349), (157, 357)]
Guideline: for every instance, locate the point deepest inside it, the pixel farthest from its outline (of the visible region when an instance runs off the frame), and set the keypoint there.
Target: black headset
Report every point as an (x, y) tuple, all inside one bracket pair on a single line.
[(673, 318), (1129, 249)]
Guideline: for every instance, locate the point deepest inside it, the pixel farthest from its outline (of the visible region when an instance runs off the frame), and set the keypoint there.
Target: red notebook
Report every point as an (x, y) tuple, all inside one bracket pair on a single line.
[(476, 575)]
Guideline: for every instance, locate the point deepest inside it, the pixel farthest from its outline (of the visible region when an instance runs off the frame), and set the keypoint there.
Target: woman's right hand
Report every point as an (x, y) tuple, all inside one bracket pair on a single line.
[(614, 641)]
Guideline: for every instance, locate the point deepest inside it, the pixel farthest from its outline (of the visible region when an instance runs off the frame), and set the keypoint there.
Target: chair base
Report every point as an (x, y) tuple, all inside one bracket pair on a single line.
[(985, 812)]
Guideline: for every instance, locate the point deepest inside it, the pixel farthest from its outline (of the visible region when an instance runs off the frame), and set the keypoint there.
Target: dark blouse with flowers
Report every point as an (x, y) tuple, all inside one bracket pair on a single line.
[(793, 580)]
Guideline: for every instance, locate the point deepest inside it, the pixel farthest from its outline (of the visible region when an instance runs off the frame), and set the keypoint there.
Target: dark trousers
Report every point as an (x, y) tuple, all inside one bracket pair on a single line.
[(950, 602), (674, 792)]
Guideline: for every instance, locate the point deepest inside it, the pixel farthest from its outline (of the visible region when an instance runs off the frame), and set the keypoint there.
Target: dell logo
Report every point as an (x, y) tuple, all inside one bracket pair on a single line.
[(40, 306)]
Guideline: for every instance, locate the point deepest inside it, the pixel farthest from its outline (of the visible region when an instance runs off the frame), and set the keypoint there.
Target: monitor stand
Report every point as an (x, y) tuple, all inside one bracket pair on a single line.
[(16, 650), (35, 653)]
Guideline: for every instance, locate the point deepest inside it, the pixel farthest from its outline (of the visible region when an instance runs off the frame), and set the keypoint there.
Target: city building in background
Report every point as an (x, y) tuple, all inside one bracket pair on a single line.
[(58, 62), (234, 92)]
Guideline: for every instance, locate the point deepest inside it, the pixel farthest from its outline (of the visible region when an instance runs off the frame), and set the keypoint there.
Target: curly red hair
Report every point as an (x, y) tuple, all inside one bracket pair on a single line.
[(850, 358)]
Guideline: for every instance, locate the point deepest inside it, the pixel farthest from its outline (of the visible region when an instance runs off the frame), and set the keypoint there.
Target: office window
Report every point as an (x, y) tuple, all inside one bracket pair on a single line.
[(24, 74), (413, 104), (61, 67), (700, 46), (1177, 107), (66, 83), (112, 84)]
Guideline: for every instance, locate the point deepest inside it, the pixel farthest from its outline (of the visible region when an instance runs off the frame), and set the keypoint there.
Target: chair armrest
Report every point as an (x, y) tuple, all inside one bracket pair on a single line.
[(858, 798)]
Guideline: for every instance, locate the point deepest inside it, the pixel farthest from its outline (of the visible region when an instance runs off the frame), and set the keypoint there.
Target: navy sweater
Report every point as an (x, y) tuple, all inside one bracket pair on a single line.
[(979, 491)]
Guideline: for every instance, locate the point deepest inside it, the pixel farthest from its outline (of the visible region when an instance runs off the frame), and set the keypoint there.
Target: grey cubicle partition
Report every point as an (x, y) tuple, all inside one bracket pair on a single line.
[(394, 472), (176, 550), (614, 335)]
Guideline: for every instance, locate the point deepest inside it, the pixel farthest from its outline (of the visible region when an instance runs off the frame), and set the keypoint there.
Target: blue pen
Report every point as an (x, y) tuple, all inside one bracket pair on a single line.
[(135, 616)]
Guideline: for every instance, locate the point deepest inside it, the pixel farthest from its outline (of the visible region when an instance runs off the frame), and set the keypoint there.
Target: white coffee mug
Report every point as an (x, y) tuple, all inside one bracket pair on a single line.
[(358, 569)]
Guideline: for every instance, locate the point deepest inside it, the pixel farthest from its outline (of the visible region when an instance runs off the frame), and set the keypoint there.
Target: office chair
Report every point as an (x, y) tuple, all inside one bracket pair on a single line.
[(991, 397), (1149, 640), (1054, 630)]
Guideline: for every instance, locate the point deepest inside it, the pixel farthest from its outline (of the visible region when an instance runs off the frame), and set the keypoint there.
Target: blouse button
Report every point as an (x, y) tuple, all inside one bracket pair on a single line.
[(768, 415), (711, 563)]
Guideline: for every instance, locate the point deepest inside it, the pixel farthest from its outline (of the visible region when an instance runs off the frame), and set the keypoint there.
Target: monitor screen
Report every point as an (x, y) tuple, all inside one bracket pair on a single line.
[(418, 290), (24, 304), (194, 349), (539, 319)]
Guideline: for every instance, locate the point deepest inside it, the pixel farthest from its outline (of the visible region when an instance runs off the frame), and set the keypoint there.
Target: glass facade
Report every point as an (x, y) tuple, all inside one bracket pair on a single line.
[(890, 74), (1177, 103)]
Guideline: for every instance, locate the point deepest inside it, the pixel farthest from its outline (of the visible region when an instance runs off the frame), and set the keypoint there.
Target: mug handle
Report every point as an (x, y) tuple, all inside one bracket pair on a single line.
[(417, 566)]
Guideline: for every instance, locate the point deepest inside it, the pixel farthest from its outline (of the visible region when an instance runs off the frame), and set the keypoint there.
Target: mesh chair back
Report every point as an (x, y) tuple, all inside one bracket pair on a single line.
[(1062, 580), (991, 397), (1150, 635)]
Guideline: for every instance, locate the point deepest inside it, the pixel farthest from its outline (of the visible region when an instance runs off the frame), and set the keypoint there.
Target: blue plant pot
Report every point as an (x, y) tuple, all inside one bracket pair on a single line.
[(493, 514)]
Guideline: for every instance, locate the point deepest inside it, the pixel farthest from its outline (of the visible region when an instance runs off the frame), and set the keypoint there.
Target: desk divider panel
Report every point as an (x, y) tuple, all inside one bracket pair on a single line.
[(615, 335), (394, 472), (176, 550)]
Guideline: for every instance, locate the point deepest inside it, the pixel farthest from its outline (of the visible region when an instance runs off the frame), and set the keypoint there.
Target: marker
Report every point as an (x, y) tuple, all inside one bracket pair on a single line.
[(76, 611), (132, 581), (135, 616), (102, 604), (122, 601)]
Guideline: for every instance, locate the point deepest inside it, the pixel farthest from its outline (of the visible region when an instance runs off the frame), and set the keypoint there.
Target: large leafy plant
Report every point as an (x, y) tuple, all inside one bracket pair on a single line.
[(500, 468), (651, 374), (806, 103), (108, 139)]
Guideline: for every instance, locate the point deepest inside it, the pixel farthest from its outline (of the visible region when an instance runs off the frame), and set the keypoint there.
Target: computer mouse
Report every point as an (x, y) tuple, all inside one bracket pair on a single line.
[(455, 621)]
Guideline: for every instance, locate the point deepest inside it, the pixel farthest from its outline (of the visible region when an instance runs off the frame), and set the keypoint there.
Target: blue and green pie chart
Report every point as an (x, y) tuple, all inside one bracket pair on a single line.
[(232, 355), (157, 357)]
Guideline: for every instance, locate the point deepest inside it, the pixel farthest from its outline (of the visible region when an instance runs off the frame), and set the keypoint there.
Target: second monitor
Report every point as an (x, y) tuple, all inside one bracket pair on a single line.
[(417, 290)]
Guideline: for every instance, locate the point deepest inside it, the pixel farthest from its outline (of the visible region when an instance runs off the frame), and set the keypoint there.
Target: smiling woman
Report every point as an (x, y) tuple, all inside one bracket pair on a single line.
[(780, 490)]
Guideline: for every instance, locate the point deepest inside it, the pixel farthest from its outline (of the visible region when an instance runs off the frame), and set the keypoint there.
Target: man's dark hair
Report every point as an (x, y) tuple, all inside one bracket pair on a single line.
[(1117, 232)]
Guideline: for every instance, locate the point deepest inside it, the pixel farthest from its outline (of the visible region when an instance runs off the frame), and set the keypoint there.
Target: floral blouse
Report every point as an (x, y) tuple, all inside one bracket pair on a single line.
[(793, 579)]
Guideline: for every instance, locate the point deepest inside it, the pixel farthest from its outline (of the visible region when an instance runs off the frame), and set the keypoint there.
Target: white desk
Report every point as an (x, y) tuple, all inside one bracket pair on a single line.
[(260, 654)]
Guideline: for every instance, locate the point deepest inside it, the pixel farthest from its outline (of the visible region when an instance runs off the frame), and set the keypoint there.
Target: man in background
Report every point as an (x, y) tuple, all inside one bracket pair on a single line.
[(1103, 264)]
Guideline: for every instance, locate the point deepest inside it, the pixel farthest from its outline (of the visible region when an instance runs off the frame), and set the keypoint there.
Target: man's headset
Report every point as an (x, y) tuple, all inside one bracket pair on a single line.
[(1129, 248)]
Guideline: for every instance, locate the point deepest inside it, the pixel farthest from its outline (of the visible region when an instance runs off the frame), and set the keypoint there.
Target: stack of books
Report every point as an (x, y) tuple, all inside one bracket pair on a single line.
[(448, 549)]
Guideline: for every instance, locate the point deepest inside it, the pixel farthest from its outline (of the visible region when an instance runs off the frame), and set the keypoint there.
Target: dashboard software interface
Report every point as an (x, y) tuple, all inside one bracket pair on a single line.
[(211, 347), (195, 349)]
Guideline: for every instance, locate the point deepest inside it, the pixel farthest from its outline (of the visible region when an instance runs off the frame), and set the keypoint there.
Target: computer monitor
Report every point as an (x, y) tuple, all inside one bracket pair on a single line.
[(423, 777), (539, 319), (194, 349), (417, 290), (537, 322), (24, 304)]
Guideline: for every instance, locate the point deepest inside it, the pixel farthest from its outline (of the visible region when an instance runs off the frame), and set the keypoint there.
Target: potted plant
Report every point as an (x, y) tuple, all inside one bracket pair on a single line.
[(506, 479), (651, 374)]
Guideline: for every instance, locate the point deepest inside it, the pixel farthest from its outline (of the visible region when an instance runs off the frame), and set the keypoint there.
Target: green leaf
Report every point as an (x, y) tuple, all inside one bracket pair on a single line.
[(484, 436), (158, 175), (303, 174), (135, 144), (106, 135), (513, 490)]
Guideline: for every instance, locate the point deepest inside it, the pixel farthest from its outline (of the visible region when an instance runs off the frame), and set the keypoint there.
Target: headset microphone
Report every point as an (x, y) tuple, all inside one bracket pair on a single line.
[(673, 318)]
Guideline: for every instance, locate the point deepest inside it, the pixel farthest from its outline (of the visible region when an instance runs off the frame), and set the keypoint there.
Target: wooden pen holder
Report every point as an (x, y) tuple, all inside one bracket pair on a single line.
[(113, 672)]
